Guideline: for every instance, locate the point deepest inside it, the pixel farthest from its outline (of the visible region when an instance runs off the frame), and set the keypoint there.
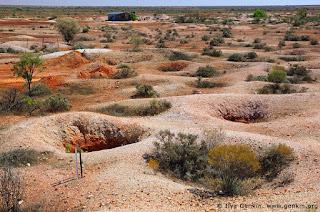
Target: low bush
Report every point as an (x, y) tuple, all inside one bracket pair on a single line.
[(305, 38), (206, 71), (154, 107), (298, 70), (298, 58), (57, 103), (277, 76), (257, 40), (173, 66), (226, 33), (11, 101), (236, 57), (179, 56), (205, 84), (279, 89), (40, 89), (212, 53), (259, 45), (251, 55), (206, 38), (145, 91), (250, 77), (275, 159), (290, 36), (124, 71), (314, 42), (181, 156), (296, 45)]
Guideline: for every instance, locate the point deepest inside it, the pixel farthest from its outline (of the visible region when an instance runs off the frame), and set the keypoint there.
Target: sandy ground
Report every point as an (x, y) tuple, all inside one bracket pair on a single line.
[(119, 179)]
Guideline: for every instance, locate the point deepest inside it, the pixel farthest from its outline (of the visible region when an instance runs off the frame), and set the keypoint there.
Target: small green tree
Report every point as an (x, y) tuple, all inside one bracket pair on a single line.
[(302, 12), (68, 28), (133, 16), (28, 67), (259, 14)]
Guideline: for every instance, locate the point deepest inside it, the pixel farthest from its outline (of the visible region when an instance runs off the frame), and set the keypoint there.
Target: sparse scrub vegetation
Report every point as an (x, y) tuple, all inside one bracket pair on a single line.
[(179, 56), (212, 52), (153, 108), (124, 71), (236, 57), (234, 169), (145, 91), (57, 103), (206, 71)]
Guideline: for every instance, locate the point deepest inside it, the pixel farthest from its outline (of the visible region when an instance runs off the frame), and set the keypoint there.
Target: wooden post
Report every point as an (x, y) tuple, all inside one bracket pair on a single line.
[(80, 162), (76, 153)]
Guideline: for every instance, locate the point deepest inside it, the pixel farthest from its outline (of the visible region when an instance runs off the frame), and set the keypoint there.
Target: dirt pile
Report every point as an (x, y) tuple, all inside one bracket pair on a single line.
[(71, 60), (52, 81), (102, 71)]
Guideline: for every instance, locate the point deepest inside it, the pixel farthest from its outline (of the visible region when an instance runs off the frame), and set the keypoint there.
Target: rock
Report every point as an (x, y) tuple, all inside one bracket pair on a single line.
[(90, 196)]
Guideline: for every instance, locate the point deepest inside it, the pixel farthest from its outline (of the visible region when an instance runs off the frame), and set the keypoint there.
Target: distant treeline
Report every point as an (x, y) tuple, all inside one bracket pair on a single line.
[(84, 11)]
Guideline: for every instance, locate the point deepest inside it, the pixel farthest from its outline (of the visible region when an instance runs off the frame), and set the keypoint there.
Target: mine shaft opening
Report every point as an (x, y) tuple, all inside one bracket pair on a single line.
[(249, 112), (95, 137)]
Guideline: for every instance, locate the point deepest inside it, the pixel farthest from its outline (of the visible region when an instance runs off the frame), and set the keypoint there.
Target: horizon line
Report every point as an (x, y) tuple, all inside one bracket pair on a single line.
[(272, 5)]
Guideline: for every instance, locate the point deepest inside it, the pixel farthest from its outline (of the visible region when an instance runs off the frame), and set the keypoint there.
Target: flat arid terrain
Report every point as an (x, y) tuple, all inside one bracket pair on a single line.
[(245, 82)]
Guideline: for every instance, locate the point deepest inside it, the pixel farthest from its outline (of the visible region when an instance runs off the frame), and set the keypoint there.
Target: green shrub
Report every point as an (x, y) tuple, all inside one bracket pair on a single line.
[(206, 38), (145, 91), (290, 36), (181, 156), (251, 55), (57, 103), (40, 89), (205, 84), (207, 71), (298, 58), (154, 107), (259, 45), (305, 38), (296, 45), (298, 70), (212, 53), (279, 89), (179, 56), (257, 40), (124, 71), (85, 30), (281, 44), (277, 76), (259, 14), (236, 57), (275, 159), (314, 42), (250, 77), (226, 33)]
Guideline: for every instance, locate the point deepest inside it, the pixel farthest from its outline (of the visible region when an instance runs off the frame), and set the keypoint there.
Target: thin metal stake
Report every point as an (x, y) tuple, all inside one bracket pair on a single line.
[(76, 153), (80, 162)]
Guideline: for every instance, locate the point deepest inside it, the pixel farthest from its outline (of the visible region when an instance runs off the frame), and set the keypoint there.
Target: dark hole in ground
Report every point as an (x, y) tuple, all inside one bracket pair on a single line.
[(96, 135), (248, 112)]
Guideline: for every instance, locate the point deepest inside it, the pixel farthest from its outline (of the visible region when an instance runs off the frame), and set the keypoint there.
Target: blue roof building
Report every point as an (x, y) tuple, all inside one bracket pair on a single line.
[(119, 16)]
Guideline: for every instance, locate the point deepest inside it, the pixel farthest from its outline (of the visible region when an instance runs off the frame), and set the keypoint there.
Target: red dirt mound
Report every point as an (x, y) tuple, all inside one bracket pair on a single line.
[(103, 71), (52, 81), (84, 75), (70, 60)]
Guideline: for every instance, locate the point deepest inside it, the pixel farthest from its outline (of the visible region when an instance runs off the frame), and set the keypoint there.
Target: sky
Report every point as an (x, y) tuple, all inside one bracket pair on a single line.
[(158, 2)]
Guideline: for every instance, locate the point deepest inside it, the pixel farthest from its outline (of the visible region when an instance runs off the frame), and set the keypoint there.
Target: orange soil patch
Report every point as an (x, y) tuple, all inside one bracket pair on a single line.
[(71, 60), (52, 81), (173, 66), (103, 71)]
